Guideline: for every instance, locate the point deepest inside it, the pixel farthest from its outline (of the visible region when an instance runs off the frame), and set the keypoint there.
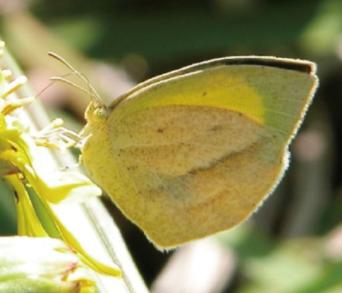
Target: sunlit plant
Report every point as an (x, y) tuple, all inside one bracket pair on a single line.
[(37, 188), (41, 265)]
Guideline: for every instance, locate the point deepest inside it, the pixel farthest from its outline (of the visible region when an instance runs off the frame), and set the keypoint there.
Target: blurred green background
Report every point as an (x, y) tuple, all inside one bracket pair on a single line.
[(294, 242)]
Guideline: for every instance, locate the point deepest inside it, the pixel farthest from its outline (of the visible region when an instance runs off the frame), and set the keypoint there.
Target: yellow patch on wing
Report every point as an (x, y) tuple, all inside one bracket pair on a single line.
[(219, 87)]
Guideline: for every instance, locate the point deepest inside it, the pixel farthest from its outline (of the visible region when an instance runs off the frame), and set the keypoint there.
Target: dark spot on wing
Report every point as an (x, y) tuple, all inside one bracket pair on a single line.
[(131, 168), (216, 128)]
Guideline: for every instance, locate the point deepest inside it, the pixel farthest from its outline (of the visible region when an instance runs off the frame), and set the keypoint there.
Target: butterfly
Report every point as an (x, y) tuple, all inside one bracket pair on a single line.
[(197, 150)]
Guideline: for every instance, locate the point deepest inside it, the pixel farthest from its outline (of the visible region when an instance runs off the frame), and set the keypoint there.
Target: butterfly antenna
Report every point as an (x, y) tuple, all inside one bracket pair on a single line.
[(70, 83), (92, 91), (51, 83), (44, 89)]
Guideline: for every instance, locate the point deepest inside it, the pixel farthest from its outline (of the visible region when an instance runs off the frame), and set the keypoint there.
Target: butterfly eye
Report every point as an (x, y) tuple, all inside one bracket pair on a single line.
[(101, 112)]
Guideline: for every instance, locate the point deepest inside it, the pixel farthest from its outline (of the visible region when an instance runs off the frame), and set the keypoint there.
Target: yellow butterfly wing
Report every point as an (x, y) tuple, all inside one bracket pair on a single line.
[(195, 151)]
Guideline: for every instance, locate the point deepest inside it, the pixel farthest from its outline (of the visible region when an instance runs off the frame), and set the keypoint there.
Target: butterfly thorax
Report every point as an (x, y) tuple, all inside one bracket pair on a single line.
[(96, 112), (95, 129)]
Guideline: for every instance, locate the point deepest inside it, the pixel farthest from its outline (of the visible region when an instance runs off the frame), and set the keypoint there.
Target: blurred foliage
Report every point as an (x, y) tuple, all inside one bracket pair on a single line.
[(286, 249), (301, 265), (167, 31), (171, 33)]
